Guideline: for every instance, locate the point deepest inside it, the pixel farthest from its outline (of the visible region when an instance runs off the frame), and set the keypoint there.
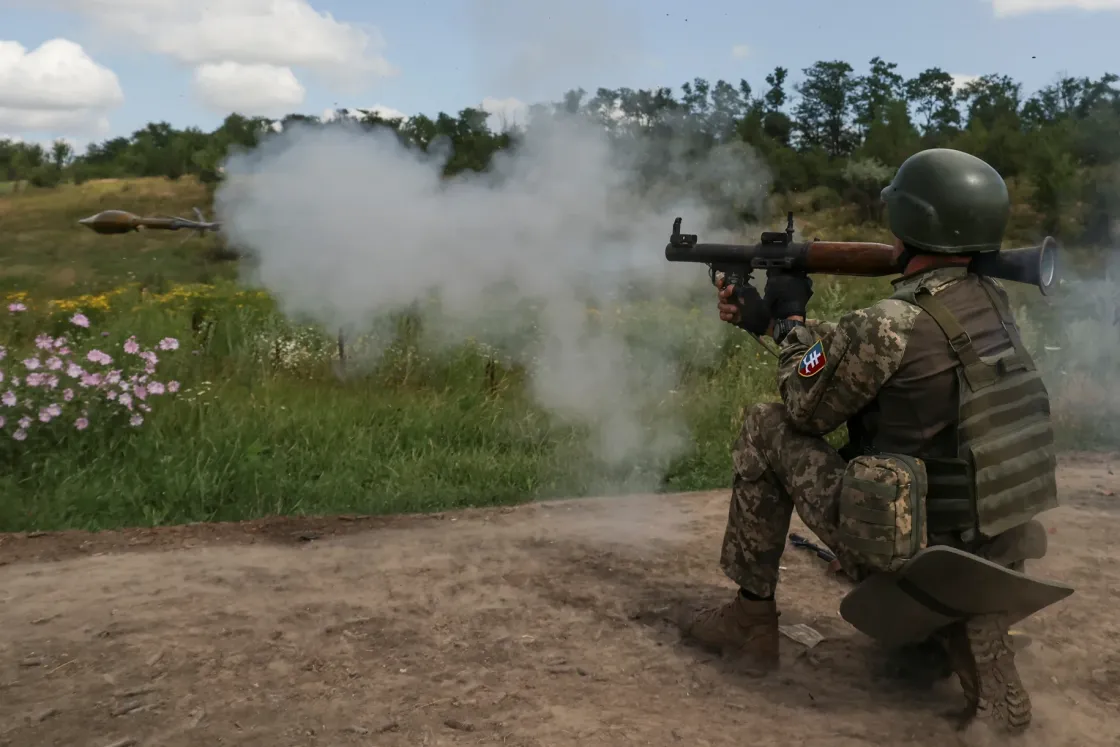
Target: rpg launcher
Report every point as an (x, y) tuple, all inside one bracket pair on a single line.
[(1035, 265)]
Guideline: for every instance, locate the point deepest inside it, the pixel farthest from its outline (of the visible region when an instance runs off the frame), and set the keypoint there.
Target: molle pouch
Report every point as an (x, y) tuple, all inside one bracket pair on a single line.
[(883, 510)]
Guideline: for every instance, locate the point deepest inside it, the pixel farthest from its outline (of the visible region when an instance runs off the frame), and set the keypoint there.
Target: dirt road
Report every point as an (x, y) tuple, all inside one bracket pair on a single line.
[(530, 626)]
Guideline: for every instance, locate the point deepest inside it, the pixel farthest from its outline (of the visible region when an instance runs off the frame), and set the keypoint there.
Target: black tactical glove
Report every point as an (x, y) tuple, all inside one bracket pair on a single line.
[(787, 293), (753, 316)]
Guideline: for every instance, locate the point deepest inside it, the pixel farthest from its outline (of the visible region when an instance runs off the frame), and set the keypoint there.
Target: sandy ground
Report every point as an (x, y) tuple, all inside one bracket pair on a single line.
[(531, 626)]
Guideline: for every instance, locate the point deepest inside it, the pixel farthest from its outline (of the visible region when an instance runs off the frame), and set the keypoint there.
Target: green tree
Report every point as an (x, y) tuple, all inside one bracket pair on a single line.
[(931, 95), (891, 138), (822, 116), (775, 123), (875, 92)]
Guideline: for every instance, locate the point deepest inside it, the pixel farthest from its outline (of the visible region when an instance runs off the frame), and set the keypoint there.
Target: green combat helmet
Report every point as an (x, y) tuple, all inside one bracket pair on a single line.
[(948, 202)]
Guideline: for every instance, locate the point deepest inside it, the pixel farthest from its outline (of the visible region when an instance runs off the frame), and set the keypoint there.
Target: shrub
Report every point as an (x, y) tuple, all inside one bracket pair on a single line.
[(70, 383)]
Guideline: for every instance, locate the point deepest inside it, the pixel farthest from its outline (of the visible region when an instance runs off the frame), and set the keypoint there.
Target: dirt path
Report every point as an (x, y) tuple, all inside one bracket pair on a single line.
[(528, 626)]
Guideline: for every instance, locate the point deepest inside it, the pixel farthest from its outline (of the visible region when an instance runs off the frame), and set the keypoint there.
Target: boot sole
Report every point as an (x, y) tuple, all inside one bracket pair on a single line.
[(1001, 698)]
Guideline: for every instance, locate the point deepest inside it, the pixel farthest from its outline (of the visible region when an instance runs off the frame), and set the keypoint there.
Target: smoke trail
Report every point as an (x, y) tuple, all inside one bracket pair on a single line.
[(347, 225), (1075, 337)]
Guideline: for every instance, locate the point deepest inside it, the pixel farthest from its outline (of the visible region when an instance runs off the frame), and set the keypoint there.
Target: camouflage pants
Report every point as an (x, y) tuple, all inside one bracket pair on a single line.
[(777, 469)]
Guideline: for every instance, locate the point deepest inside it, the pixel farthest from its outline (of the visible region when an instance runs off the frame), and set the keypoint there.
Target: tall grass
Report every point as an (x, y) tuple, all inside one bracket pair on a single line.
[(272, 419)]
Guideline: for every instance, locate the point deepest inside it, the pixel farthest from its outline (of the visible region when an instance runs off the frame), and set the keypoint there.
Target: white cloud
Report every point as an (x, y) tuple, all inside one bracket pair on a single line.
[(281, 33), (255, 90), (1008, 8), (740, 51), (56, 88), (960, 80), (504, 112)]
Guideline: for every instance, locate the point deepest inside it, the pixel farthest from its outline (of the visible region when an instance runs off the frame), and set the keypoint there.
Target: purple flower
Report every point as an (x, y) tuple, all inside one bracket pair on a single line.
[(44, 415), (136, 420), (52, 382), (141, 392), (24, 422), (96, 356), (104, 334), (44, 342), (81, 424), (126, 400), (74, 371), (21, 434), (9, 399), (32, 363), (36, 379), (111, 395), (54, 363), (67, 394), (54, 409), (169, 343), (155, 388), (79, 320), (173, 386), (131, 346), (15, 308)]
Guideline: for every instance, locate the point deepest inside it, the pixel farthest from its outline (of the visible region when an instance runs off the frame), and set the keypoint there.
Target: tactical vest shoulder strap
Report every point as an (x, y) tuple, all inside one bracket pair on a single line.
[(978, 373), (1023, 358)]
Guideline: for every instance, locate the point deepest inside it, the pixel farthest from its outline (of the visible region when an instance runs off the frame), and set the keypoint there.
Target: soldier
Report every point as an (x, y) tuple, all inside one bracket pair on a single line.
[(936, 372)]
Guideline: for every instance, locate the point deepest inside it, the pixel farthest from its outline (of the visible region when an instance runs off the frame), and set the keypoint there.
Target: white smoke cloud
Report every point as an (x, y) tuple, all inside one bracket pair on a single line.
[(346, 226)]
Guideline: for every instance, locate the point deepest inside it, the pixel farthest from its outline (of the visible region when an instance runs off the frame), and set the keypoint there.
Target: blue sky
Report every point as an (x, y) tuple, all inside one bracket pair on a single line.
[(448, 54)]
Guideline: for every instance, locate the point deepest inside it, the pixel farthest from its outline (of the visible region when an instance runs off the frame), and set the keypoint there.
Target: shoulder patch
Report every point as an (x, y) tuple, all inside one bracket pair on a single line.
[(813, 362)]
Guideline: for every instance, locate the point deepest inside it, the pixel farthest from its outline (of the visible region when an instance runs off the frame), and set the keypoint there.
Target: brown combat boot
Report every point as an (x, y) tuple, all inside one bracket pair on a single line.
[(743, 630), (982, 654)]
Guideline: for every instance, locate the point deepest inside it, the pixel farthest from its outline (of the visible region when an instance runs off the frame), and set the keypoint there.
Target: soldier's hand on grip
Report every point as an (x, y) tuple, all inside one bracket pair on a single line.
[(787, 293), (743, 307)]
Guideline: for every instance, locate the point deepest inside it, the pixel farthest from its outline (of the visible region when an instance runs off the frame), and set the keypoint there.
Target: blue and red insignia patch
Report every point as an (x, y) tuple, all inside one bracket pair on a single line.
[(813, 362)]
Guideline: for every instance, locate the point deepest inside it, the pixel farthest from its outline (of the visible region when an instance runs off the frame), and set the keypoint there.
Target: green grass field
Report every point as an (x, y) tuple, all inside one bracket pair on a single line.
[(268, 420)]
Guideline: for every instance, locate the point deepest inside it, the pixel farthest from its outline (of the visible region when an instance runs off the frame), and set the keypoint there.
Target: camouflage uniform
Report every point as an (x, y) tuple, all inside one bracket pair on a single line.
[(888, 374), (898, 375), (781, 459)]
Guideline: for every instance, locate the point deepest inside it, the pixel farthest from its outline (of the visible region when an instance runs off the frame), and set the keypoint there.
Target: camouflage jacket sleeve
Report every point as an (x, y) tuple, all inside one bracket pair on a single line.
[(828, 372), (819, 327)]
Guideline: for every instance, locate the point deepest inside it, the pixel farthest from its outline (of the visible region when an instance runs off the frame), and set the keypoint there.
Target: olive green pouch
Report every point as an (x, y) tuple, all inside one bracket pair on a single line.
[(883, 510)]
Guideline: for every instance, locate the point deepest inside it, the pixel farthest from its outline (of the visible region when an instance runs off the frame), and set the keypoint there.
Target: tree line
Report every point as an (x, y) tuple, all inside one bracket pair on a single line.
[(836, 130)]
